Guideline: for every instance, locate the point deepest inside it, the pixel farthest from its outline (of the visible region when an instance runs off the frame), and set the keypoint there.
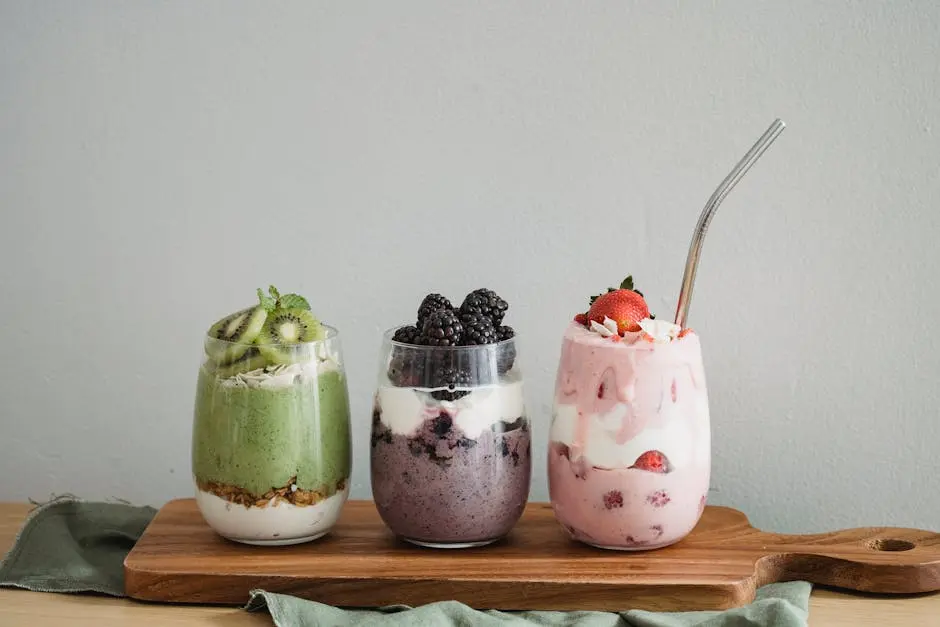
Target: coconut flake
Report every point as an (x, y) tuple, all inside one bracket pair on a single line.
[(600, 329), (660, 331), (612, 325), (281, 375)]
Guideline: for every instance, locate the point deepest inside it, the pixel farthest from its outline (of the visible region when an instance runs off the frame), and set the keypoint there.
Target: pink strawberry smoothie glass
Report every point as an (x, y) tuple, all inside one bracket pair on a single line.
[(629, 460)]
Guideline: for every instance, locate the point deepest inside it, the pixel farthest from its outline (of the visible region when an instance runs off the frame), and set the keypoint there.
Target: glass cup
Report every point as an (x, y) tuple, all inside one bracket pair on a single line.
[(630, 448), (271, 442), (451, 453)]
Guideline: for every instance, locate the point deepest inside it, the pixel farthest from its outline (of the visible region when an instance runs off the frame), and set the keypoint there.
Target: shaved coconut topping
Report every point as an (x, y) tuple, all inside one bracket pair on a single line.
[(601, 329), (660, 331)]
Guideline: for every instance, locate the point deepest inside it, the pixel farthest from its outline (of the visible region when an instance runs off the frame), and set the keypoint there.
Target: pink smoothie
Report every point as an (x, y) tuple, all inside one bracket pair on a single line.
[(629, 462)]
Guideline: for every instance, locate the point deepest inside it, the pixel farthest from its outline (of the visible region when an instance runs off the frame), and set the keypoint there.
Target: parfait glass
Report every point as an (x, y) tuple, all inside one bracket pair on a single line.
[(629, 457), (271, 440), (450, 446)]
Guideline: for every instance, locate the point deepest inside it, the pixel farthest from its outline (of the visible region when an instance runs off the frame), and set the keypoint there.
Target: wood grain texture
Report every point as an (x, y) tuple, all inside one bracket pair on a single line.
[(720, 565)]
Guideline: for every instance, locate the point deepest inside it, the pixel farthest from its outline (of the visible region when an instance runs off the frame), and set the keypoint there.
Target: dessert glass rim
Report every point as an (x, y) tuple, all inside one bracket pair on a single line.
[(331, 334), (389, 333), (638, 346)]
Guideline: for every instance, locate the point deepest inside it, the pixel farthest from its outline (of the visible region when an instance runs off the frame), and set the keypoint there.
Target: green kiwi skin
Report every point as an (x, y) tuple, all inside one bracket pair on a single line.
[(220, 330), (235, 341), (276, 350)]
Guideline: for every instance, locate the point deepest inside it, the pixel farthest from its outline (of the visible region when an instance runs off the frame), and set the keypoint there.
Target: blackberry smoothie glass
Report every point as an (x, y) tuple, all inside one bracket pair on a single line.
[(450, 456)]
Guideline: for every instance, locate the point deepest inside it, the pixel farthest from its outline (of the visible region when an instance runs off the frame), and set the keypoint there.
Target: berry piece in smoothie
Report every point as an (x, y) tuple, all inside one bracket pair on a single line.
[(652, 461), (658, 498), (613, 499)]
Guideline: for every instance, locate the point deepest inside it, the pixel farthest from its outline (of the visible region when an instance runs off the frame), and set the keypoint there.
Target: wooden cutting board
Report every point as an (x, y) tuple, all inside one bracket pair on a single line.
[(719, 565)]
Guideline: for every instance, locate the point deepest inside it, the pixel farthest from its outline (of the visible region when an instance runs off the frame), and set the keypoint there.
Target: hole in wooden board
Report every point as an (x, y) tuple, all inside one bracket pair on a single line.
[(890, 544)]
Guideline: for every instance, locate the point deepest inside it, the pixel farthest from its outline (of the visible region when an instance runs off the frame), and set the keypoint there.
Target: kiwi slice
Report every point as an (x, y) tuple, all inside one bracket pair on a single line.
[(251, 360), (285, 328), (236, 332)]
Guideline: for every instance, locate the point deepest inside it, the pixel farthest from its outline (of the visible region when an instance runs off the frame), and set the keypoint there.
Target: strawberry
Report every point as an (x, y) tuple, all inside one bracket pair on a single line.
[(625, 307), (652, 461), (659, 498), (613, 499)]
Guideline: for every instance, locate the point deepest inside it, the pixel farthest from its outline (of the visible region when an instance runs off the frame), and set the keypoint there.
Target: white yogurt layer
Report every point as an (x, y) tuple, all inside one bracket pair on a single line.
[(282, 375), (280, 523), (405, 409), (681, 442)]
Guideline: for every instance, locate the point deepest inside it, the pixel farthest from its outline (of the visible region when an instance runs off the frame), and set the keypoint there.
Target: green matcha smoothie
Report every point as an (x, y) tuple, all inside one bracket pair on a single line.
[(271, 443), (269, 436)]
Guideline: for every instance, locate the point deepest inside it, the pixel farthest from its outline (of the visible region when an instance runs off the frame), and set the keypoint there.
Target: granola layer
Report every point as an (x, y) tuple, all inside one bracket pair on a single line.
[(289, 493)]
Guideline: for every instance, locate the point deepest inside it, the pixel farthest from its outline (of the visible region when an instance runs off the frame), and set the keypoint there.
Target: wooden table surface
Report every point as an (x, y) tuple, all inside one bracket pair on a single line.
[(35, 609)]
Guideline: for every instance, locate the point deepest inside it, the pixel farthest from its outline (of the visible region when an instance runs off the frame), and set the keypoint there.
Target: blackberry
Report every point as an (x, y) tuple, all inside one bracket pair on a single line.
[(430, 304), (406, 368), (507, 353), (450, 378), (486, 302), (442, 328), (506, 360), (439, 439), (477, 329), (380, 433), (406, 335), (442, 425)]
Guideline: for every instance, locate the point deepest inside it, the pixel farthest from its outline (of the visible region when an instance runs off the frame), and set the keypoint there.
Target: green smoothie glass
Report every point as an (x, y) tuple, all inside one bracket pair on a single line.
[(271, 440)]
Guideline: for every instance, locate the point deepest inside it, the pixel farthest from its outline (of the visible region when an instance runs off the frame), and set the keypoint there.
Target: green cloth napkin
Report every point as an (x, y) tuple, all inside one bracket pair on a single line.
[(69, 545), (777, 604)]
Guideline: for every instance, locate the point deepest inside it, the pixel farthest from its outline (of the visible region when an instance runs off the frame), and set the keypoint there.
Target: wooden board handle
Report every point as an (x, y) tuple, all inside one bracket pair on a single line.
[(889, 560)]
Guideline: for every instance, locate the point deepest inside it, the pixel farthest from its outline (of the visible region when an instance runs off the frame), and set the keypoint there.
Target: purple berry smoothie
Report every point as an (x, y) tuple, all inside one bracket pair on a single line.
[(437, 487)]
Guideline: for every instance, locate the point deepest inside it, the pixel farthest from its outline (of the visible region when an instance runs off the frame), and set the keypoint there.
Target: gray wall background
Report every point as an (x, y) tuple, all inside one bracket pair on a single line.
[(161, 160)]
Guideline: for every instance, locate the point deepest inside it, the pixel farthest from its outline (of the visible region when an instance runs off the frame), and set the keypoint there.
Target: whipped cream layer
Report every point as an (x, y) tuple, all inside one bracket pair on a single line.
[(404, 409), (683, 445), (615, 400)]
